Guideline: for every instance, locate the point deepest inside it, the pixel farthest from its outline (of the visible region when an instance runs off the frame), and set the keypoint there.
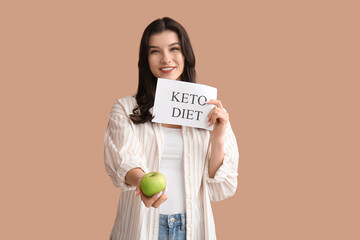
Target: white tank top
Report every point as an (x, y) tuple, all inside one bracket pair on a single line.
[(172, 166)]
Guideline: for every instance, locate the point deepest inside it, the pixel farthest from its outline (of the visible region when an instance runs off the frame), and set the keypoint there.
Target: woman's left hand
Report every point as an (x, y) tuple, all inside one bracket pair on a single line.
[(219, 117)]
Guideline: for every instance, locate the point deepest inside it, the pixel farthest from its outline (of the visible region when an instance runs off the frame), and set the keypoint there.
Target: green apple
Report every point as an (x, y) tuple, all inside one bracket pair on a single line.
[(152, 183)]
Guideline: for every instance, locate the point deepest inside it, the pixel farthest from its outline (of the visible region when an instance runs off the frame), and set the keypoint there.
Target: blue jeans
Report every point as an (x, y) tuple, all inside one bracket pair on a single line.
[(172, 227)]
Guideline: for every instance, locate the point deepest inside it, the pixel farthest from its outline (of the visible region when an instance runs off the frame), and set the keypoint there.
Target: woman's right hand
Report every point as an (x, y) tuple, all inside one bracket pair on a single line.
[(154, 201)]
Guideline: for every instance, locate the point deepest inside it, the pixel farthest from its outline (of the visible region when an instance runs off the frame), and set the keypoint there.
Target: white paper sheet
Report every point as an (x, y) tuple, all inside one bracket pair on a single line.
[(183, 103)]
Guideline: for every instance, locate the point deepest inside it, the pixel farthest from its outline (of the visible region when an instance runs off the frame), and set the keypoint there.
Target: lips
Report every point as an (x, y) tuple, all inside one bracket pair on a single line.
[(167, 69)]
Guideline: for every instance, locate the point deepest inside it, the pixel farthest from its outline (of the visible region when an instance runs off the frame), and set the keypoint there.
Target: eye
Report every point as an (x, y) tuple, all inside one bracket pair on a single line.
[(153, 51), (175, 49)]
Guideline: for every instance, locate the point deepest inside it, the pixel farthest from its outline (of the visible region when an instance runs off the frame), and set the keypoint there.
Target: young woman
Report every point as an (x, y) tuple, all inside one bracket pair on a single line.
[(199, 165)]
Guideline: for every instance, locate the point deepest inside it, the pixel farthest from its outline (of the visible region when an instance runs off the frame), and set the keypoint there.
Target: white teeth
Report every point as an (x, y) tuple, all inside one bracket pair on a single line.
[(166, 69)]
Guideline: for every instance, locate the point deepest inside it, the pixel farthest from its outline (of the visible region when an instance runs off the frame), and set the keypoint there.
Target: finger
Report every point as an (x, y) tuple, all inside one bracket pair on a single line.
[(216, 112), (214, 117), (161, 199), (154, 198), (145, 200), (215, 102), (148, 201), (220, 116), (210, 114), (138, 188), (137, 193)]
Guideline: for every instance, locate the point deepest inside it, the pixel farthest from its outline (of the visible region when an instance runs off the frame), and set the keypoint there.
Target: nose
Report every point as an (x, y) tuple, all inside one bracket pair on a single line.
[(166, 57)]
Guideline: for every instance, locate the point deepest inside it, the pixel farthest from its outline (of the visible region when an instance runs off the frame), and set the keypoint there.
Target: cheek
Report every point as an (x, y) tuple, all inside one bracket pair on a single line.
[(152, 63), (181, 59)]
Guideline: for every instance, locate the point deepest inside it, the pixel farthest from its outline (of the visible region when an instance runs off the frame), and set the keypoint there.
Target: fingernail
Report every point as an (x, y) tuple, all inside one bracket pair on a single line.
[(159, 194)]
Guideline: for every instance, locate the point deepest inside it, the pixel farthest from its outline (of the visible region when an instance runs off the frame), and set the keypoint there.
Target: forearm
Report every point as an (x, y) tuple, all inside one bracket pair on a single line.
[(133, 176), (217, 156)]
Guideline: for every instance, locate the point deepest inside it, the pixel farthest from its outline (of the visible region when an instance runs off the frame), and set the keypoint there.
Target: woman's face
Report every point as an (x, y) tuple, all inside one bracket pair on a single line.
[(165, 57)]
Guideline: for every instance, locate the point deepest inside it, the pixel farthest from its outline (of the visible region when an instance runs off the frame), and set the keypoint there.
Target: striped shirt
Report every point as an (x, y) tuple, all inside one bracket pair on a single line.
[(128, 146)]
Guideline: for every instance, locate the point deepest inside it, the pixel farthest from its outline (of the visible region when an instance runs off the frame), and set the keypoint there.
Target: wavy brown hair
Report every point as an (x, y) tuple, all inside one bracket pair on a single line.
[(147, 81)]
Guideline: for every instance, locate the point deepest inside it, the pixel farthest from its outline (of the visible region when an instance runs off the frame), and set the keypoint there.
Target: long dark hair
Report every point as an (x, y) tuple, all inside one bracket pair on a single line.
[(147, 81)]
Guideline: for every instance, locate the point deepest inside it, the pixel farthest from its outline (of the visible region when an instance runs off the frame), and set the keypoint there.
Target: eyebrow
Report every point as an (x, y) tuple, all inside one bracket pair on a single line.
[(175, 43)]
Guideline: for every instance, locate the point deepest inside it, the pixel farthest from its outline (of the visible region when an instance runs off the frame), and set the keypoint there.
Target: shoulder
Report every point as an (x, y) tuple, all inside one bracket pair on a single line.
[(124, 105), (122, 108)]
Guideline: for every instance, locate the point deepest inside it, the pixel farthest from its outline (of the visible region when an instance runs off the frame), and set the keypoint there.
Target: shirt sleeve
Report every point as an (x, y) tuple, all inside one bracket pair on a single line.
[(122, 149), (224, 183)]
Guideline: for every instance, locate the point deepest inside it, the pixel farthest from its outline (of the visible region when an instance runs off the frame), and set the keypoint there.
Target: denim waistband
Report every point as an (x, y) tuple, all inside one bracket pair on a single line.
[(173, 219)]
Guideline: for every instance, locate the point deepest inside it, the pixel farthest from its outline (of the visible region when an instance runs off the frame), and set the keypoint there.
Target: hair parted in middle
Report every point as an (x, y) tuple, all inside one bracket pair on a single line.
[(147, 81)]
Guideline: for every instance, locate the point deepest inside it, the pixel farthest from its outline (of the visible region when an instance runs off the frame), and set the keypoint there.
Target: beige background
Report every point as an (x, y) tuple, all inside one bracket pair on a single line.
[(287, 72)]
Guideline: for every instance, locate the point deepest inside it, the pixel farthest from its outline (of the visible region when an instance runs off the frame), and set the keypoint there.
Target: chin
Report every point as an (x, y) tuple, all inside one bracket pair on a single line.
[(171, 78)]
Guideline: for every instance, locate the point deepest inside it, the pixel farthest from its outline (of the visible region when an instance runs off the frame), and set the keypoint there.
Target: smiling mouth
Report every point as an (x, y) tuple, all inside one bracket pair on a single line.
[(167, 69)]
